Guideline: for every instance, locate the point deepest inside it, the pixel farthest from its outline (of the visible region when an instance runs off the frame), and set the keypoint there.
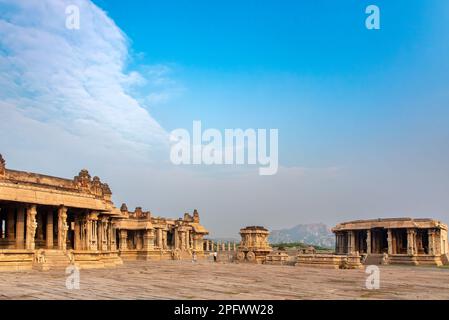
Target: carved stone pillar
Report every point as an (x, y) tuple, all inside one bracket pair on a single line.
[(103, 234), (390, 241), (234, 246), (187, 241), (139, 240), (223, 246), (431, 235), (31, 227), (148, 240), (182, 240), (411, 234), (337, 243), (111, 236), (49, 230), (62, 228), (342, 246), (159, 239), (164, 239), (351, 242), (94, 236), (176, 235), (123, 237), (106, 234), (78, 232), (368, 241), (20, 228), (10, 224), (198, 242)]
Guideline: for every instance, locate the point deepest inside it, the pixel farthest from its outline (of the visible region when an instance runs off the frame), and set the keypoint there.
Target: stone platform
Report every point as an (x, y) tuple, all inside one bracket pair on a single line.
[(209, 280)]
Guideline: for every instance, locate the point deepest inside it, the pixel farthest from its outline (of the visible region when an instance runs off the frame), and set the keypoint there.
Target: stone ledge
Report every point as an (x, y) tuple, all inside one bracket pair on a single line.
[(329, 261)]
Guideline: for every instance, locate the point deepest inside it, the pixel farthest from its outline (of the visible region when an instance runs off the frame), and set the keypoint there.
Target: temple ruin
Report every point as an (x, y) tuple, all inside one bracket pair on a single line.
[(394, 241), (47, 222), (142, 236)]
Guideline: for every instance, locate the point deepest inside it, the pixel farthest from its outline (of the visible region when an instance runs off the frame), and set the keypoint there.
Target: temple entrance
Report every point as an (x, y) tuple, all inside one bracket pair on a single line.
[(360, 241), (131, 240), (422, 241), (170, 239), (379, 240), (399, 241)]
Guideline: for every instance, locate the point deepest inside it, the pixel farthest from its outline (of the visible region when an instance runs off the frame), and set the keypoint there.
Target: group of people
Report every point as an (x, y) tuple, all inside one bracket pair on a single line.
[(194, 257)]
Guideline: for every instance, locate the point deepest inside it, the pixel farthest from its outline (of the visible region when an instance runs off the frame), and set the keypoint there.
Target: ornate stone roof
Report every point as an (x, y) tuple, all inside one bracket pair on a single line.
[(82, 191), (392, 223)]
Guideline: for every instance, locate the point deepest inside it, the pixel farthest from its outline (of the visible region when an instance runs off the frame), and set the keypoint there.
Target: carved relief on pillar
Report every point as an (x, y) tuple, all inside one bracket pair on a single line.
[(411, 242), (112, 245), (62, 228), (164, 239), (148, 239), (189, 240), (92, 220), (31, 227), (182, 240), (390, 241), (123, 238), (368, 241), (103, 233), (198, 242), (84, 233), (431, 235), (176, 241)]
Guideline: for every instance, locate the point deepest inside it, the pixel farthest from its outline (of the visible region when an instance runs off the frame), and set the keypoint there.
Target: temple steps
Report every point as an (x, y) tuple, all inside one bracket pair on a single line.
[(46, 259), (373, 259)]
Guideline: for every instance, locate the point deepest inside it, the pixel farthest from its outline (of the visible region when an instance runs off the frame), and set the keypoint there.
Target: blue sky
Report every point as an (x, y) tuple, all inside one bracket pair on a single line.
[(312, 70), (362, 114)]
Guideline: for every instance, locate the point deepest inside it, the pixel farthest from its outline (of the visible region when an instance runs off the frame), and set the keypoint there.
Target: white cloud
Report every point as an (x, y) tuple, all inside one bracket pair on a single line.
[(72, 80)]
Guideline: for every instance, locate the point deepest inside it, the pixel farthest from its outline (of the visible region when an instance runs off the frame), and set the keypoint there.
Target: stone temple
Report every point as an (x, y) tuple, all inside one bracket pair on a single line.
[(47, 222), (396, 241)]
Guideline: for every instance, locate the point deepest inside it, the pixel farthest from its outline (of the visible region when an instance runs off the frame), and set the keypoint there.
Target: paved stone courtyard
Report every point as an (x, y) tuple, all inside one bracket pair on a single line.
[(208, 280)]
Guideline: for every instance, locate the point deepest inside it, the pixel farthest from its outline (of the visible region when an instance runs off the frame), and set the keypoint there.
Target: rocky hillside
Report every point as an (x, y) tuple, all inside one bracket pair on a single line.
[(315, 234)]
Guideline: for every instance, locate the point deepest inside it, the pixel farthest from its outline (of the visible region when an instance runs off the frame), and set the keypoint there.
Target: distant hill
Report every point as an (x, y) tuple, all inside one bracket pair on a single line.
[(317, 234)]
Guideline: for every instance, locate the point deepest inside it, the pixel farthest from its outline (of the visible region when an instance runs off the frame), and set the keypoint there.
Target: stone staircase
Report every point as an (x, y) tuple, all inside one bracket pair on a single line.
[(373, 259), (46, 259)]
